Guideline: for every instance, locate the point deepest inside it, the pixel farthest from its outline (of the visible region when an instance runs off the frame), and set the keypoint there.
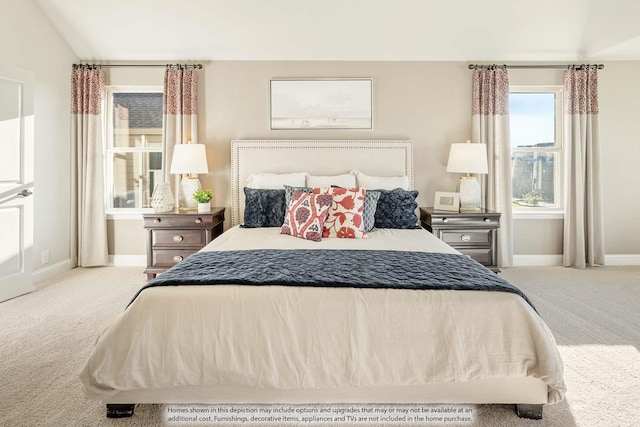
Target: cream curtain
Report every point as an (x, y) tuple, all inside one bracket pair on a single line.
[(179, 121), (490, 125), (583, 223), (89, 240)]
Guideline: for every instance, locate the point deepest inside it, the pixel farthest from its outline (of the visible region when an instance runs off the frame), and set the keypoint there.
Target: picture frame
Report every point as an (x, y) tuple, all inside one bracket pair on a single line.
[(447, 201), (321, 103)]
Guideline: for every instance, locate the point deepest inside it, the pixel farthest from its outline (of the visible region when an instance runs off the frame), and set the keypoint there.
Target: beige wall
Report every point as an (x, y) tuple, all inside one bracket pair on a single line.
[(428, 102), (619, 97), (31, 43)]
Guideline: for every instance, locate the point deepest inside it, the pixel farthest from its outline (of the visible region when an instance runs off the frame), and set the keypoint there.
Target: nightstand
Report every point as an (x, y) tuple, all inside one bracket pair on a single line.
[(474, 234), (171, 237)]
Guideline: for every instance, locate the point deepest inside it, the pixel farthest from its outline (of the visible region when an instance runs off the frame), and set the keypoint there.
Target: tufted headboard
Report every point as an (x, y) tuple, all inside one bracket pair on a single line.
[(317, 157)]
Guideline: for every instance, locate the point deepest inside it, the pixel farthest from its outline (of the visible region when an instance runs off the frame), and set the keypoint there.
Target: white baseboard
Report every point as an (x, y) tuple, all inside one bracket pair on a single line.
[(550, 260), (49, 272), (128, 260), (622, 259)]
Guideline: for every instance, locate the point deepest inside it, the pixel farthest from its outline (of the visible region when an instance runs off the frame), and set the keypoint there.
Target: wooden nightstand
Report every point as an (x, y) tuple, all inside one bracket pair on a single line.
[(472, 233), (171, 237)]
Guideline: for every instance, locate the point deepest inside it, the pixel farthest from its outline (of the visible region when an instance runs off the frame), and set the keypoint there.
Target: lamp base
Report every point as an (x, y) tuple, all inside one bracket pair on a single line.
[(188, 186), (469, 189), (471, 209)]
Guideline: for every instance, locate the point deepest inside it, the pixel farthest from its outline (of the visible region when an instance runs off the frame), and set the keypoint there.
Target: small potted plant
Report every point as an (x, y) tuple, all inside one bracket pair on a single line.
[(203, 197)]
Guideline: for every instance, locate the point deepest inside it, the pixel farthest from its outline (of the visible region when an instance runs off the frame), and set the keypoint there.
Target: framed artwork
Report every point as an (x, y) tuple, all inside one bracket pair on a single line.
[(446, 201), (321, 104)]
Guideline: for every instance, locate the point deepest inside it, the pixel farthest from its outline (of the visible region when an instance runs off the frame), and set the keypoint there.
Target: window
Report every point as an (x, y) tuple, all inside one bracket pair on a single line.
[(134, 147), (535, 115)]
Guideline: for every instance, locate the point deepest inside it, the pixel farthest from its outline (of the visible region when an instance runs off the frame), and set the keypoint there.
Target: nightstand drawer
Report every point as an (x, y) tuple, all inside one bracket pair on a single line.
[(483, 255), (179, 238), (178, 221), (170, 257), (466, 237), (462, 220)]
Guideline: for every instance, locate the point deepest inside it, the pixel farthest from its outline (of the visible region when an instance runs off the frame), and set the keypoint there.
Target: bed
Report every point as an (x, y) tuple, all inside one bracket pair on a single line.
[(252, 337)]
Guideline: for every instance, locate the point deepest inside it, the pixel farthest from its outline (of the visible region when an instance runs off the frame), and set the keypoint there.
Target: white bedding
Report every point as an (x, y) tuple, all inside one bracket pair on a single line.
[(301, 338)]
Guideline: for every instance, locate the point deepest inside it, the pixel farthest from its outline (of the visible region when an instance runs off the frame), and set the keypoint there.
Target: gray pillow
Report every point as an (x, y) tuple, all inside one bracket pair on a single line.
[(369, 213), (263, 208), (397, 209)]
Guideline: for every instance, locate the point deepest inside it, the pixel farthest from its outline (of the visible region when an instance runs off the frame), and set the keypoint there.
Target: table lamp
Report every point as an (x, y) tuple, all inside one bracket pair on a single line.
[(189, 160), (468, 158)]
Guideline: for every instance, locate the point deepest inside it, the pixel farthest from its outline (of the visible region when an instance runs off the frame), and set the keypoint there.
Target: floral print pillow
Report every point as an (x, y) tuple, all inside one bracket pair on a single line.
[(306, 215), (345, 217)]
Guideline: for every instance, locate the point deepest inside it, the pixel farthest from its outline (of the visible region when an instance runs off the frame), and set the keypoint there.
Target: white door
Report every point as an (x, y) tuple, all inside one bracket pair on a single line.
[(16, 182)]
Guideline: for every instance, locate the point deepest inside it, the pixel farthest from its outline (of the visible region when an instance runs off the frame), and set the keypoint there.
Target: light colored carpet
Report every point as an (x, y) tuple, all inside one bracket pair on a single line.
[(46, 336)]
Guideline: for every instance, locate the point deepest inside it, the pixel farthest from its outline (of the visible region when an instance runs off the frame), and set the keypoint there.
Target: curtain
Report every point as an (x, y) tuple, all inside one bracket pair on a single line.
[(179, 119), (89, 240), (583, 223), (490, 125)]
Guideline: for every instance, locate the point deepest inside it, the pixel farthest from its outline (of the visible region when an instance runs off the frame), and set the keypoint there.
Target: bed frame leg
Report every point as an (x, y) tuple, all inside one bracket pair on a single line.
[(117, 410), (533, 412)]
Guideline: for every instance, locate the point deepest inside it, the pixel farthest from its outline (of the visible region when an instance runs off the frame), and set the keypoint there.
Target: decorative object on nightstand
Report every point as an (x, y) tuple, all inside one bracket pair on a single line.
[(474, 234), (447, 201), (468, 158), (189, 160), (203, 197), (171, 237), (162, 198)]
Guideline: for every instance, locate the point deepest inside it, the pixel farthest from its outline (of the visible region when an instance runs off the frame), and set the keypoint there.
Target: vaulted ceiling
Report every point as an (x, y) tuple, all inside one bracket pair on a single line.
[(398, 30)]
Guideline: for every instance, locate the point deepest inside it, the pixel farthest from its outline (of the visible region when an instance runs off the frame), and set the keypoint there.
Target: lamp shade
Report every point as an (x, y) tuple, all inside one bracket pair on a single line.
[(468, 158), (189, 159)]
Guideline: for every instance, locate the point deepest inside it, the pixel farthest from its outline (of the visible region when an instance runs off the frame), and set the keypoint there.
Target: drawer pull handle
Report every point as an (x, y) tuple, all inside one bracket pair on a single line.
[(177, 238), (177, 258), (465, 238), (198, 220), (445, 219), (157, 220), (487, 220)]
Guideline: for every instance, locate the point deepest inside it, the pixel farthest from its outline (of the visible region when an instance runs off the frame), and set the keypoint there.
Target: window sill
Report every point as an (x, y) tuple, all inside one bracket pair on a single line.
[(127, 214), (538, 215)]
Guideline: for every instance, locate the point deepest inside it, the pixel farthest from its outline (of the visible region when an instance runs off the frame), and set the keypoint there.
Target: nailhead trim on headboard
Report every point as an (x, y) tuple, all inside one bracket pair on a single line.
[(342, 148)]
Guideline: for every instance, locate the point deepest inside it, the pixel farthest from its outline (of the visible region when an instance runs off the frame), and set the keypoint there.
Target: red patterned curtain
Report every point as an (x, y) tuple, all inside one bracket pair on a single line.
[(584, 222), (490, 125), (90, 234), (180, 124)]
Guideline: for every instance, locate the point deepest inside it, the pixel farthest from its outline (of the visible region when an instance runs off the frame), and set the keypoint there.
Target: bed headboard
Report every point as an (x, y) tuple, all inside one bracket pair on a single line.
[(317, 157)]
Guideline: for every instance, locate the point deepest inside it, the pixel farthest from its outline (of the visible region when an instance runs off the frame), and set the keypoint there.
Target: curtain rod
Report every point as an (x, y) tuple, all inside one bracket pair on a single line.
[(550, 66), (181, 66)]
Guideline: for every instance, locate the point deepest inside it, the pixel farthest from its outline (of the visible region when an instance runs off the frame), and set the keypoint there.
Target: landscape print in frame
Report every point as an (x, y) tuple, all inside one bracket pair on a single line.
[(340, 103)]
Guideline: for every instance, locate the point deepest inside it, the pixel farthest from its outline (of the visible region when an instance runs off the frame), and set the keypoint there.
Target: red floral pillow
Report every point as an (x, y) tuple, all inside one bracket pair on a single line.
[(306, 215), (345, 217)]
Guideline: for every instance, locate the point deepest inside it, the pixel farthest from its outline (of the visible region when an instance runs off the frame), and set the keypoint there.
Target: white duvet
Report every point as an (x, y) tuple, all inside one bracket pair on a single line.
[(301, 338)]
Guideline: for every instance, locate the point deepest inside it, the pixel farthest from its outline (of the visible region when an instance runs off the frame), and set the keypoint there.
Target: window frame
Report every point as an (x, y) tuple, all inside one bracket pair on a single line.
[(110, 150), (531, 212)]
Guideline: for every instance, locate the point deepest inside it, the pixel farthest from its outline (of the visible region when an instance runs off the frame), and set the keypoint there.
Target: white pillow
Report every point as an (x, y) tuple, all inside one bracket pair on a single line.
[(276, 181), (346, 180), (381, 182)]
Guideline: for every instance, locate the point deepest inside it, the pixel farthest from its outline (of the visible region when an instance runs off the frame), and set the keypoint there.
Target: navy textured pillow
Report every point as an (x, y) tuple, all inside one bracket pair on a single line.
[(397, 209), (263, 208)]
